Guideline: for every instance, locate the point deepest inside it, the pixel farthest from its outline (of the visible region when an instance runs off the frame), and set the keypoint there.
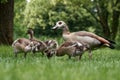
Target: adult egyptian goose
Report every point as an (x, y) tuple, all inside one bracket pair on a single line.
[(88, 38), (70, 48), (40, 46)]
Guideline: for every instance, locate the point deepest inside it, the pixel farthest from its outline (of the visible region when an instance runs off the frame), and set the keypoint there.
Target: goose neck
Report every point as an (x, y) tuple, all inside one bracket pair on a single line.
[(66, 30), (30, 36)]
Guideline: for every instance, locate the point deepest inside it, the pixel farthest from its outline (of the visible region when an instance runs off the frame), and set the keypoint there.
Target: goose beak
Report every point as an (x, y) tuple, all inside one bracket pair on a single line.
[(55, 27)]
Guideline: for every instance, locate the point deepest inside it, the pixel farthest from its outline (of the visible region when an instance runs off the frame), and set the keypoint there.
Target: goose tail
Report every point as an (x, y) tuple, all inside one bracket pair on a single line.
[(111, 46), (112, 42)]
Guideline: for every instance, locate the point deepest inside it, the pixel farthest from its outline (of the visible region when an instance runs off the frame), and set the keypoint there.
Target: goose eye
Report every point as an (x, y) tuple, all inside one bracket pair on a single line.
[(60, 23)]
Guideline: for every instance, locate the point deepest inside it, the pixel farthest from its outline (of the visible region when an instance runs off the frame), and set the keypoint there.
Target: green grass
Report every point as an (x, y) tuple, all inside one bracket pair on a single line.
[(105, 65)]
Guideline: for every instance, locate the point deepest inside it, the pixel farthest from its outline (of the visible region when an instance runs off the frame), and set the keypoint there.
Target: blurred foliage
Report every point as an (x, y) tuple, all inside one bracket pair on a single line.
[(43, 14), (19, 28), (3, 1), (107, 14)]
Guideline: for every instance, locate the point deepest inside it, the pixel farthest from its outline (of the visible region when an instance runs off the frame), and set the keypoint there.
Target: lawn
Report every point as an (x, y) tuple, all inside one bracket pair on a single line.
[(105, 65)]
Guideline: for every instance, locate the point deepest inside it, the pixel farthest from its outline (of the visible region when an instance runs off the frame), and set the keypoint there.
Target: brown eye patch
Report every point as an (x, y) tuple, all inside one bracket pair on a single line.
[(60, 23)]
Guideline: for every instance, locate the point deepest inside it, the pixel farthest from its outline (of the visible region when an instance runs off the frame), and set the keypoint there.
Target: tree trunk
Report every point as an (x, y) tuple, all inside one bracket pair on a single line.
[(115, 24), (105, 27), (109, 31), (6, 22), (103, 19), (115, 21)]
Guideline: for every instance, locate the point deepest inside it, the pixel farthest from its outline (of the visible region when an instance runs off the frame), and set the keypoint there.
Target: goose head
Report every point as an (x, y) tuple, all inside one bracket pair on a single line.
[(29, 47), (50, 52), (51, 44), (39, 46), (59, 25), (30, 31)]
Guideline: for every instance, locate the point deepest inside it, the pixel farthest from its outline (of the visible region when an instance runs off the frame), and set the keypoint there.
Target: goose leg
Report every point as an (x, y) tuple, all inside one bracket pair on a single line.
[(69, 57), (42, 53), (80, 56), (90, 54), (25, 54), (33, 52), (15, 54)]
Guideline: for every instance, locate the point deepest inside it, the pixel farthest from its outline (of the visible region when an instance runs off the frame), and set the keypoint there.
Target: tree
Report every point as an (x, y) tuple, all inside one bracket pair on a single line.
[(19, 7), (43, 14), (6, 21), (99, 16), (107, 13)]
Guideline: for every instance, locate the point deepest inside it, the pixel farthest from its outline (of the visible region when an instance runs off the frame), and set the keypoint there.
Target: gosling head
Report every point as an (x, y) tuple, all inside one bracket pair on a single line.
[(51, 44), (50, 53), (30, 31), (29, 47), (40, 47)]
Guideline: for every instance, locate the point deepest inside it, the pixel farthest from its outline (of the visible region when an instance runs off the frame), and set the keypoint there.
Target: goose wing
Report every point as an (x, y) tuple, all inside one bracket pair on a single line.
[(90, 34), (67, 44)]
